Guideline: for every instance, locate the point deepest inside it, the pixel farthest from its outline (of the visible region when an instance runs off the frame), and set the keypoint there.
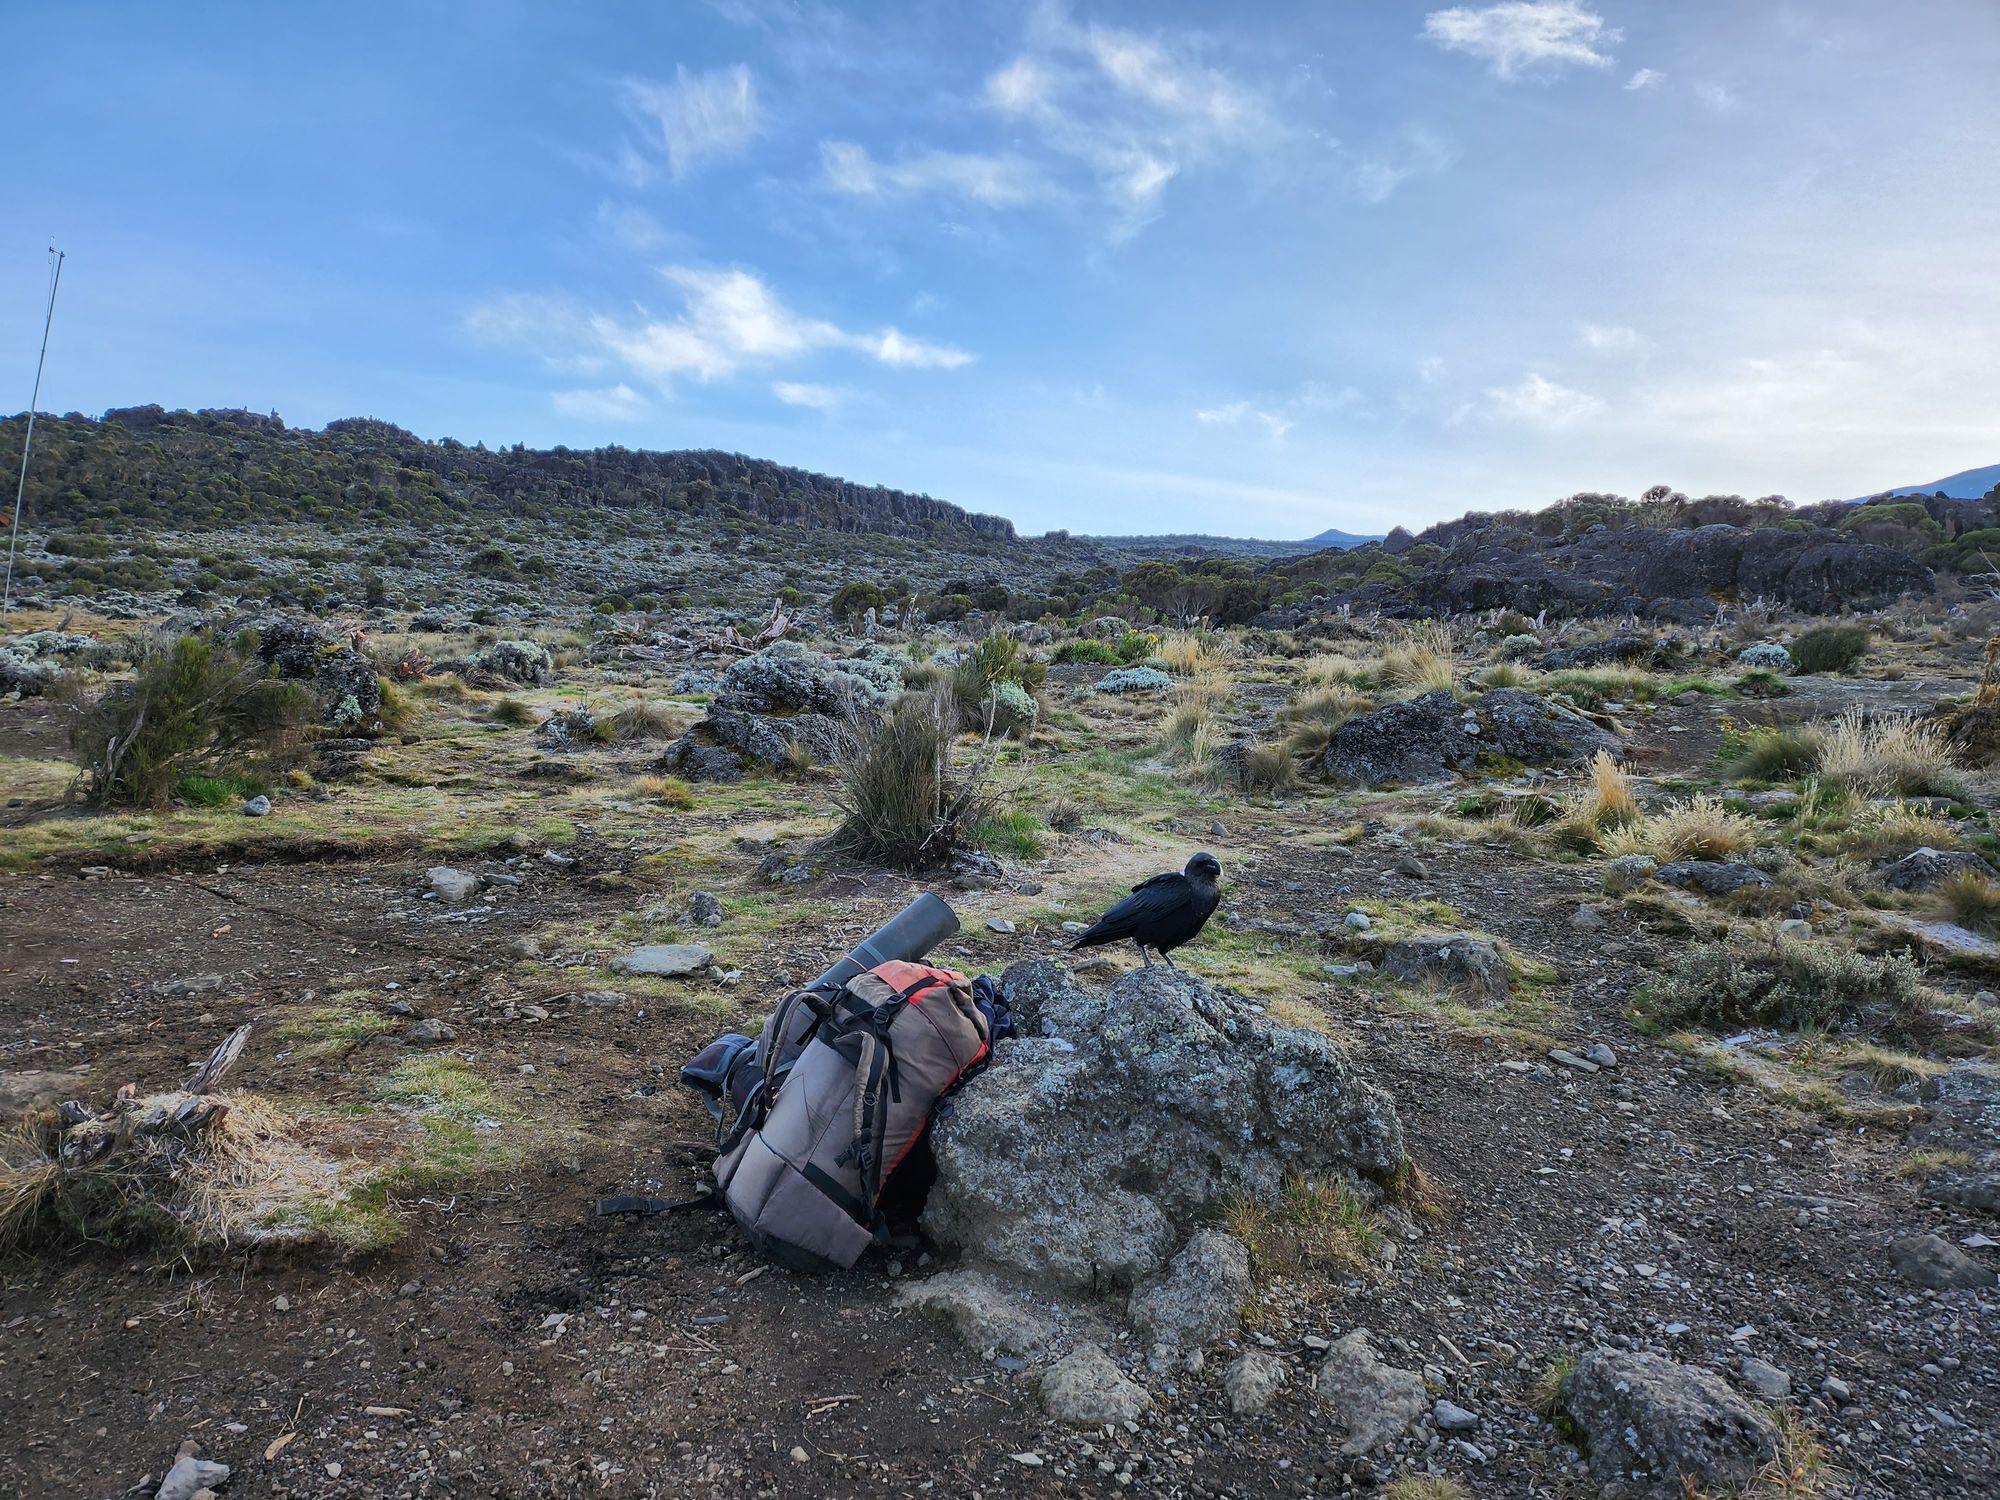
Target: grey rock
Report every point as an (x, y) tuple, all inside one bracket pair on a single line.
[(1252, 1381), (1431, 737), (1795, 929), (1570, 1060), (1765, 800), (1087, 1156), (1586, 918), (1712, 877), (1451, 1417), (1456, 959), (1836, 1390), (1923, 868), (1929, 1260), (1628, 870), (704, 910), (1602, 1055), (601, 999), (1652, 1427), (257, 807), (696, 758), (1000, 925), (1766, 1379), (430, 1031), (1370, 1403), (665, 960), (1200, 1299), (452, 885), (190, 1476), (1357, 921), (1085, 1389), (982, 1311), (788, 678)]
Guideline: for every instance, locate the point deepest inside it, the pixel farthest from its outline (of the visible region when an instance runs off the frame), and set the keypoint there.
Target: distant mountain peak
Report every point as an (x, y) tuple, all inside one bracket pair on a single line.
[(1967, 484)]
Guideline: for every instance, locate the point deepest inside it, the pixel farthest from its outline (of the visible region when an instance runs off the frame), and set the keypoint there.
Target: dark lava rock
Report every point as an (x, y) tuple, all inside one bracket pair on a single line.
[(1428, 738), (1712, 877), (1921, 869), (1929, 1260)]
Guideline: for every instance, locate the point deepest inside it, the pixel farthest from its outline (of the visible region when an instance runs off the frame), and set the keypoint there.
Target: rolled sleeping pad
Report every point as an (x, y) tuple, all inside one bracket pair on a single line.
[(909, 935)]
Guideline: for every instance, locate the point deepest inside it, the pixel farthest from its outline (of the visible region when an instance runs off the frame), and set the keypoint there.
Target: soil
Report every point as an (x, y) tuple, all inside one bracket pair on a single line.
[(511, 1344)]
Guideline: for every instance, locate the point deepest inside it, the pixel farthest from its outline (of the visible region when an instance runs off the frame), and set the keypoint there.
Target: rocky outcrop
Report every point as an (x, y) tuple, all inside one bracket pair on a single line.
[(1435, 736), (1654, 1429), (1455, 960), (781, 705), (1711, 877), (1113, 1128)]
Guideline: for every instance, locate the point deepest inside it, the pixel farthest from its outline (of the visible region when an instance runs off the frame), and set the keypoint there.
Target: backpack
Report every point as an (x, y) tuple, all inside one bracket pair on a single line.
[(830, 1100)]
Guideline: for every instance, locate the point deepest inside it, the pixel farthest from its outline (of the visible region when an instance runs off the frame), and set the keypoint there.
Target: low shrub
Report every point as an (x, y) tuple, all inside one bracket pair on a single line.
[(1971, 900), (194, 706), (1095, 653), (1699, 828), (1017, 834), (1829, 648), (514, 712), (1794, 987), (670, 790), (1778, 753)]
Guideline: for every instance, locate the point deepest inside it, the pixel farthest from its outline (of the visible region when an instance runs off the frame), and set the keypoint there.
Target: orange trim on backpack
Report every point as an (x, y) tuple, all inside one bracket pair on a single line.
[(900, 974)]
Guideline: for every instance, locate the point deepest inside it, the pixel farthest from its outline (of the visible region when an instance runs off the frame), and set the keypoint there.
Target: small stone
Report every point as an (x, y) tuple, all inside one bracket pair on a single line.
[(1412, 868), (1570, 1060), (529, 946), (704, 909), (1000, 925), (1767, 1380), (1586, 918), (1452, 1417), (1602, 1055), (1357, 921), (1253, 1381), (257, 807), (1795, 929), (665, 960), (1836, 1390), (1085, 1389), (430, 1031), (800, 1456), (282, 1303), (1929, 1260), (452, 885)]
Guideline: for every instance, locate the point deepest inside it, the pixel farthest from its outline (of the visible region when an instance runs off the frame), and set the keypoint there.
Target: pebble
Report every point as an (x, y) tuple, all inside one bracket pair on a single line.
[(1357, 921), (1836, 1390), (1032, 1460), (257, 807), (1602, 1055), (1000, 925), (1452, 1417), (799, 1456)]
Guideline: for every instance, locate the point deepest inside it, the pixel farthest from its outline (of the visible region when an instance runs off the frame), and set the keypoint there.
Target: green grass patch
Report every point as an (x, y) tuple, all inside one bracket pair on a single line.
[(1018, 834), (334, 1029)]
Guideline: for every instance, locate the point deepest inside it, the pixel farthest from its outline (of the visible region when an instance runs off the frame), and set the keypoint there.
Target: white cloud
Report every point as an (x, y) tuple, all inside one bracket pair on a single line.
[(1716, 96), (1525, 36), (699, 117), (633, 228), (1612, 338), (1541, 402), (797, 393), (1132, 111), (731, 322), (1415, 153), (1645, 78), (1241, 413), (616, 403), (997, 181)]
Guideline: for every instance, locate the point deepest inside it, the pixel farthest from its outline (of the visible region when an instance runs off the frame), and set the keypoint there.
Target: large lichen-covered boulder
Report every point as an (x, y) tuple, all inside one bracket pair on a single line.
[(1117, 1125), (1654, 1429), (1434, 736)]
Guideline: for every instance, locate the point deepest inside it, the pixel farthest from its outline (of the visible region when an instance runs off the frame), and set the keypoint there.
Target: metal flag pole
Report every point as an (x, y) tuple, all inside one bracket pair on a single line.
[(28, 438)]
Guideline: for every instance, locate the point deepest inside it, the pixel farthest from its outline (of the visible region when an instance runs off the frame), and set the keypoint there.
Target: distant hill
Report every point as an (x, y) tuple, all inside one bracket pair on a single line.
[(1971, 484), (1231, 546)]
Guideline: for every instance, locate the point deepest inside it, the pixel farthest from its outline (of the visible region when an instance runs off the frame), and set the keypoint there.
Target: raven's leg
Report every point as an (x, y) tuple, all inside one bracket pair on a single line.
[(1145, 955), (1166, 958)]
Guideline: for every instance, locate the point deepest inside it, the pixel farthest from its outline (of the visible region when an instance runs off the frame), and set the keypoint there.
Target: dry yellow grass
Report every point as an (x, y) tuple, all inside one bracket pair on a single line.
[(671, 790), (1194, 723), (1189, 654), (1603, 804), (1423, 664), (1336, 669), (1898, 757), (1699, 828), (1316, 713)]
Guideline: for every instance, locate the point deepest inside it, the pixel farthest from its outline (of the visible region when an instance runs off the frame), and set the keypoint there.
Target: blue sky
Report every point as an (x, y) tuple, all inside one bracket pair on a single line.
[(1259, 269)]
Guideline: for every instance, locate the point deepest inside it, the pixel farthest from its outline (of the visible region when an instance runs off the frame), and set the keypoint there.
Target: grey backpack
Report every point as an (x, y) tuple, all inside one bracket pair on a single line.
[(842, 1090)]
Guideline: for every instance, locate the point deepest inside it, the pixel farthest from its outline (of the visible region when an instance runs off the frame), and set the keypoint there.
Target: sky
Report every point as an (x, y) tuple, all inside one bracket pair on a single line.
[(1257, 270)]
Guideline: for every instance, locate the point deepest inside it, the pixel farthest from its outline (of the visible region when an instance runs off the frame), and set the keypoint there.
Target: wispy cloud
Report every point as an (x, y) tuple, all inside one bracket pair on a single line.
[(615, 403), (1612, 338), (1645, 78), (1716, 96), (823, 398), (1240, 413), (697, 118), (1414, 153), (634, 228), (1525, 36), (731, 322), (1539, 401), (997, 181), (1133, 111)]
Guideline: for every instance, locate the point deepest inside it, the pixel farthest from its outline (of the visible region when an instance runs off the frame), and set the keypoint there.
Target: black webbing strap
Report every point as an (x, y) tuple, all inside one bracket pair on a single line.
[(831, 1188), (647, 1207)]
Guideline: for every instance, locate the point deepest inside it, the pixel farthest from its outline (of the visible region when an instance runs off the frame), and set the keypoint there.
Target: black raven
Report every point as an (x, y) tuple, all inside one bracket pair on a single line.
[(1163, 912)]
